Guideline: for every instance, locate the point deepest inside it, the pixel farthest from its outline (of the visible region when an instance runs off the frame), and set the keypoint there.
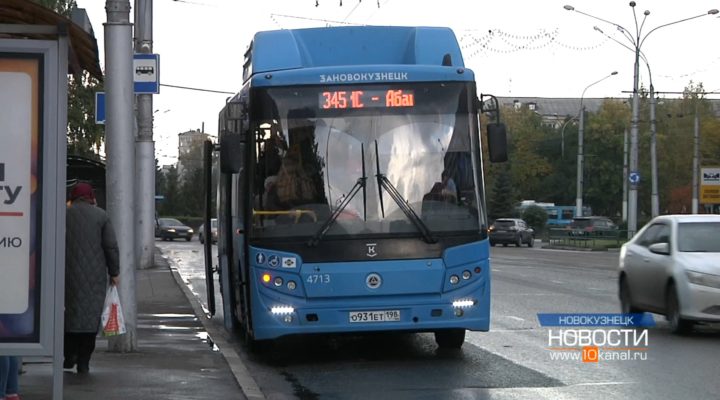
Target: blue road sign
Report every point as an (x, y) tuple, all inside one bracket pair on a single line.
[(100, 107), (146, 73), (634, 178)]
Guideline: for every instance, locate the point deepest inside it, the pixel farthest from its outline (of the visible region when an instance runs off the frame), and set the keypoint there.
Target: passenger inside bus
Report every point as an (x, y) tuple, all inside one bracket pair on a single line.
[(291, 187), (445, 190), (298, 181)]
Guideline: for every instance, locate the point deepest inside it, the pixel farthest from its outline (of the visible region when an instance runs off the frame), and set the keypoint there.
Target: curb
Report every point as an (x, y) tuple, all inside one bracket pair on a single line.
[(247, 383)]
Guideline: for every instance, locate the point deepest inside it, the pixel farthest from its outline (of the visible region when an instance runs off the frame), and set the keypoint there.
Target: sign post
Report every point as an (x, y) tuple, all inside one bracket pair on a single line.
[(146, 78), (100, 108), (146, 73)]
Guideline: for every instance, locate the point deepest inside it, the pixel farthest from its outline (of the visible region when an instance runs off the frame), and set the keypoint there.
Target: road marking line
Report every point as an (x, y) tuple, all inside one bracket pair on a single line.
[(603, 383)]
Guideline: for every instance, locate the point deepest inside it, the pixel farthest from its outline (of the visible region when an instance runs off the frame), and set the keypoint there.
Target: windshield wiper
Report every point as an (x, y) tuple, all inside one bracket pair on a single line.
[(384, 183), (360, 183)]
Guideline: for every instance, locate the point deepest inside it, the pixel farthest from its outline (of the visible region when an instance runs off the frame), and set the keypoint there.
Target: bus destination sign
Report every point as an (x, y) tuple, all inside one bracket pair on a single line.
[(351, 99)]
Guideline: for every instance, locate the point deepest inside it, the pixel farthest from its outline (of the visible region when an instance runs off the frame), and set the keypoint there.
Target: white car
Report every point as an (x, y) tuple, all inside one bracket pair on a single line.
[(672, 267), (213, 231)]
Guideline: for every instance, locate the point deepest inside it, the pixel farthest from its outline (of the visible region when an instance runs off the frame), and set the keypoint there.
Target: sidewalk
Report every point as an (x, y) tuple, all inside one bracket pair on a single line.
[(174, 361)]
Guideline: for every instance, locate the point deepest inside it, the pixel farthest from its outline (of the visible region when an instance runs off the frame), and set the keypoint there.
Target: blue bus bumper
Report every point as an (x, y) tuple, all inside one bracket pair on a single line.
[(279, 315)]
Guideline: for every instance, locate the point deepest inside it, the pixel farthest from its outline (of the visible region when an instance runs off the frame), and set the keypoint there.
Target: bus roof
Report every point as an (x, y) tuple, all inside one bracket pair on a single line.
[(288, 49)]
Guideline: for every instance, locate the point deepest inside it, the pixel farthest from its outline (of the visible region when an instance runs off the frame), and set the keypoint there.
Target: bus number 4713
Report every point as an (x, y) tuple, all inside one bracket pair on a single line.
[(318, 278)]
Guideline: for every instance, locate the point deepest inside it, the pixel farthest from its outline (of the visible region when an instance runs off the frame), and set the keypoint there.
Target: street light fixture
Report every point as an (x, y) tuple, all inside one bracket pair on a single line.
[(580, 155), (636, 42), (654, 199)]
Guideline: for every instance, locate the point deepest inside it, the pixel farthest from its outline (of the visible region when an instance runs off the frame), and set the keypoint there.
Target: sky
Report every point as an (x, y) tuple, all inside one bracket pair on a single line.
[(517, 48)]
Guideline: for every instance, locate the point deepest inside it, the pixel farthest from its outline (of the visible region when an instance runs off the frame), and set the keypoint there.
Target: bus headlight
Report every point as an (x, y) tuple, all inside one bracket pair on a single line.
[(282, 310), (454, 279), (463, 303)]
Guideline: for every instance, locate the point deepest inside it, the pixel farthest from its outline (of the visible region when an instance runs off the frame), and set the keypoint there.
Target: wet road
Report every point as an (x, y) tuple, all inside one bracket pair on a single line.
[(512, 361)]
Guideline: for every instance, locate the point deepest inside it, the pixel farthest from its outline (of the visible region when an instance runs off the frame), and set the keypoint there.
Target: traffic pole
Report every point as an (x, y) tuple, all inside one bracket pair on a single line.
[(144, 145), (121, 159)]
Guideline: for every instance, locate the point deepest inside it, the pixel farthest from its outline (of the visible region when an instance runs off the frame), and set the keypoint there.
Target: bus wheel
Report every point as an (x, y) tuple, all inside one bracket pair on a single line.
[(257, 346), (450, 338)]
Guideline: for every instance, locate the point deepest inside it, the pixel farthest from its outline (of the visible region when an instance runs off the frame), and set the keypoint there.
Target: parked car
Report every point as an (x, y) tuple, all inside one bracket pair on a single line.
[(213, 231), (672, 267), (170, 228), (593, 226), (511, 231)]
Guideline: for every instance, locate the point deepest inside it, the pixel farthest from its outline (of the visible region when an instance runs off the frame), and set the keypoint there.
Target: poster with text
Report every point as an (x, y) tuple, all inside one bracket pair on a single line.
[(710, 185), (19, 196)]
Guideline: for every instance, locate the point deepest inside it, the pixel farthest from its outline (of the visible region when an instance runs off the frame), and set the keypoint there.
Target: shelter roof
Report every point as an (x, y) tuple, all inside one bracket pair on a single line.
[(83, 51)]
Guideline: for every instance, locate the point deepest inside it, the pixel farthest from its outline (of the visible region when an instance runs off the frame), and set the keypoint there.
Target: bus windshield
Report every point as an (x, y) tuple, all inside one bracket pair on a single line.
[(363, 152)]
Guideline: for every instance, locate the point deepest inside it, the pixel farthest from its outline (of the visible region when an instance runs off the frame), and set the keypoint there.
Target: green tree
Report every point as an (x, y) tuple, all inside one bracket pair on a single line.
[(676, 127), (502, 199), (84, 137), (526, 136), (193, 193), (160, 187), (536, 217), (171, 205), (62, 7), (191, 181), (603, 151)]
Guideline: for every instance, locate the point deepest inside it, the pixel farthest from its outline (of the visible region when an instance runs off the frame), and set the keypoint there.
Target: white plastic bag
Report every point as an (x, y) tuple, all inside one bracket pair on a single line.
[(113, 321)]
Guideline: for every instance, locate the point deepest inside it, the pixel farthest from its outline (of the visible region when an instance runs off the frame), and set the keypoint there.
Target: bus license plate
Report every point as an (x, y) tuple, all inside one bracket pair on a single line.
[(374, 316)]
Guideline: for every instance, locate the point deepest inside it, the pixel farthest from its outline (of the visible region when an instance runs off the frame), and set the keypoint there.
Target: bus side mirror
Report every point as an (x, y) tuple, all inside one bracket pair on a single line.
[(497, 142), (232, 151)]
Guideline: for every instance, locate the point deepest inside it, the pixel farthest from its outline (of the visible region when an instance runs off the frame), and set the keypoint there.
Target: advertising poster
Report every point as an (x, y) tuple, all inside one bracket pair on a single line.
[(19, 197), (710, 185)]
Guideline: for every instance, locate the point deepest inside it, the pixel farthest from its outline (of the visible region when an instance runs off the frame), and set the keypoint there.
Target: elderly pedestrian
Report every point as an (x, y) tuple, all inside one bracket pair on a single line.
[(91, 259)]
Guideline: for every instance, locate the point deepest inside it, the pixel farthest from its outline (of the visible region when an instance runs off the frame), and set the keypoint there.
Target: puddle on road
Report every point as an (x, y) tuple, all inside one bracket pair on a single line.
[(299, 390), (179, 318)]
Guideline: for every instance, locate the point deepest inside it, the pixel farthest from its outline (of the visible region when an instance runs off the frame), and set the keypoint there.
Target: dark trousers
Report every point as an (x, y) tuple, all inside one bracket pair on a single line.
[(79, 347)]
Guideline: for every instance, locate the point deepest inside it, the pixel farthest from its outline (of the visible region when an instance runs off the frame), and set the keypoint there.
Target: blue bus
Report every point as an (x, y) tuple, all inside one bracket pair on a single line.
[(351, 194), (558, 216), (562, 216)]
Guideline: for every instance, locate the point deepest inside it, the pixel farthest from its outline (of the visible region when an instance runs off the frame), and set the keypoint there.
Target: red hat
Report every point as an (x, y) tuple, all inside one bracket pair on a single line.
[(82, 190)]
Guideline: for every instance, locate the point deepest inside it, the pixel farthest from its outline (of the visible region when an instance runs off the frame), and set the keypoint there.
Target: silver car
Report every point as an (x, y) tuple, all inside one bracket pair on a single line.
[(672, 267), (213, 231)]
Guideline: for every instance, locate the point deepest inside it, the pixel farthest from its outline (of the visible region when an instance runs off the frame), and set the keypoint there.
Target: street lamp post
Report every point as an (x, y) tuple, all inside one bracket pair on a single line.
[(696, 160), (562, 137), (654, 199), (636, 41), (581, 155)]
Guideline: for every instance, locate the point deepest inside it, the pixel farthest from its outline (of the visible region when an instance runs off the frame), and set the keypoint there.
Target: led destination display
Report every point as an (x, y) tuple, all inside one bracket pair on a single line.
[(351, 99)]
